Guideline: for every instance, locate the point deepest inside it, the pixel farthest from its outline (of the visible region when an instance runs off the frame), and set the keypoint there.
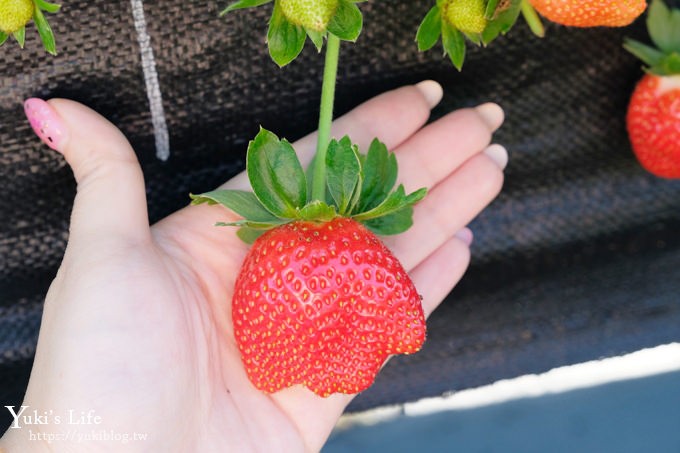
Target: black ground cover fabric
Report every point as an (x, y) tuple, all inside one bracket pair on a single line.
[(578, 259)]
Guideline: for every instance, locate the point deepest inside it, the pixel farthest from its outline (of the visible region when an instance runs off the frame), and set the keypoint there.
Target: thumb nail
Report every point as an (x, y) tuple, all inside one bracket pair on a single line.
[(45, 122)]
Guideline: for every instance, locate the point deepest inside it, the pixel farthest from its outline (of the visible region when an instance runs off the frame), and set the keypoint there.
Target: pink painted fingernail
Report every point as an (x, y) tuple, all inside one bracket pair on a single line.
[(466, 236), (45, 122)]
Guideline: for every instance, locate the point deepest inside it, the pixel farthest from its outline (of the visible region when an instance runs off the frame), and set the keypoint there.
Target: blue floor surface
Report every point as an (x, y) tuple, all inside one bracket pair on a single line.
[(641, 415)]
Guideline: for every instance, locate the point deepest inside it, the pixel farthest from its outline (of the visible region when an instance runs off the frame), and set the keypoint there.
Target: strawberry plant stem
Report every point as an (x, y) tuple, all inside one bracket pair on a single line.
[(325, 116)]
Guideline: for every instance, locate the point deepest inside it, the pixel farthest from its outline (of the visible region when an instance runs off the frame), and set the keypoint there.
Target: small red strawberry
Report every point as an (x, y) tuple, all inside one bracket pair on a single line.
[(591, 13), (653, 118), (320, 301)]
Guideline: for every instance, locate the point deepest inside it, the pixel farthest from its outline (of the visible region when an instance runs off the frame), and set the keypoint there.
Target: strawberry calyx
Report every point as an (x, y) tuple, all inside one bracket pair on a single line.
[(16, 14), (532, 19), (293, 21), (480, 21), (663, 23), (358, 186)]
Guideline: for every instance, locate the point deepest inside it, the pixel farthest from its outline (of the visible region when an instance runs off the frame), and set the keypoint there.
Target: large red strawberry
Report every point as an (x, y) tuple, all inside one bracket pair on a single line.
[(653, 118), (591, 13), (323, 305), (320, 301)]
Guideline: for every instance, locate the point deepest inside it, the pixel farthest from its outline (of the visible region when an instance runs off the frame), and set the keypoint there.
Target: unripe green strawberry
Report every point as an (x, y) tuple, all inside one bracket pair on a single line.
[(14, 14), (467, 16), (312, 14)]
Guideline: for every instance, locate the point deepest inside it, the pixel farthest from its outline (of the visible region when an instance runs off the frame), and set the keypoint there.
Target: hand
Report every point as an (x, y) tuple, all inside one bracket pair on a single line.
[(137, 324)]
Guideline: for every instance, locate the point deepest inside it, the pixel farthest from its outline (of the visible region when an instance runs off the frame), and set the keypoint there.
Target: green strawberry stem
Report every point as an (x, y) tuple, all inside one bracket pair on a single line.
[(533, 19), (325, 116)]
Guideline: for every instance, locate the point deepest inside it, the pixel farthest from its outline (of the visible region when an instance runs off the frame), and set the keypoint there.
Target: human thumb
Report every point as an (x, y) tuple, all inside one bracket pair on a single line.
[(110, 199)]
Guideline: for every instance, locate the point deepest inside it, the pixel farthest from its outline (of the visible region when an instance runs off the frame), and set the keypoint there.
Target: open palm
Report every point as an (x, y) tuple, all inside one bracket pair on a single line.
[(137, 327)]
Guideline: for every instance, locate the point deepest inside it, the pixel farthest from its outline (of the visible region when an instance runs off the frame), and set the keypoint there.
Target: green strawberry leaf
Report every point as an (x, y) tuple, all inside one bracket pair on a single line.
[(253, 225), (504, 19), (249, 235), (475, 38), (347, 21), (285, 39), (20, 36), (396, 201), (3, 37), (491, 9), (664, 26), (276, 175), (241, 202), (243, 4), (316, 37), (262, 226), (45, 31), (454, 45), (395, 223), (532, 18), (430, 30), (380, 175), (343, 172), (46, 6), (649, 55)]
